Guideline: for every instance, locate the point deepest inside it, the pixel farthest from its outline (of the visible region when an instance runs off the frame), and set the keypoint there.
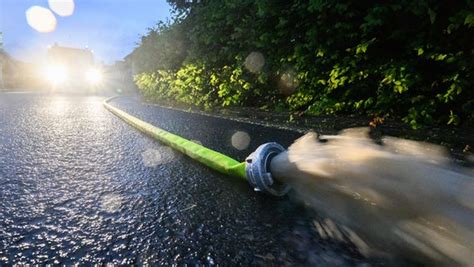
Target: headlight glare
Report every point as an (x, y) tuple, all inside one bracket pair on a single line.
[(56, 74), (94, 76)]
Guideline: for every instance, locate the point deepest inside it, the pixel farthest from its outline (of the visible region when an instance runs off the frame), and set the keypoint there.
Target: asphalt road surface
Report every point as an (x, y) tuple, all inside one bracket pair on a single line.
[(78, 185)]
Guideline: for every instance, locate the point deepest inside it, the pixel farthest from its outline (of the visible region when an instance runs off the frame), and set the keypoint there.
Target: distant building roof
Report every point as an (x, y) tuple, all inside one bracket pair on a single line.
[(69, 50), (70, 54)]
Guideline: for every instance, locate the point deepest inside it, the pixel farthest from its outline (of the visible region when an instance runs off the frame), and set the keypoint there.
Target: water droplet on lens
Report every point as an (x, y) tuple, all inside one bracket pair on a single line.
[(254, 62), (288, 83), (41, 19), (240, 140), (111, 202), (151, 157), (197, 142), (63, 8)]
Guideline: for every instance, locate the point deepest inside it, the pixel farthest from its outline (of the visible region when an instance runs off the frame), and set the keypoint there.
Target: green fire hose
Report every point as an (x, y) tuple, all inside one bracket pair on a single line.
[(255, 169)]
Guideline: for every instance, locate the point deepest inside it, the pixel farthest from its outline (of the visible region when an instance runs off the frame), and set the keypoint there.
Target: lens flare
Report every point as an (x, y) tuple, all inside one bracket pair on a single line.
[(240, 140), (254, 62), (153, 157), (288, 83), (63, 8), (41, 19), (56, 74), (197, 142), (94, 76), (111, 202)]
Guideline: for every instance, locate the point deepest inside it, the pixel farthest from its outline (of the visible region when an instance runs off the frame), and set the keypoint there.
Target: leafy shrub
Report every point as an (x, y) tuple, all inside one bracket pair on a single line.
[(411, 60)]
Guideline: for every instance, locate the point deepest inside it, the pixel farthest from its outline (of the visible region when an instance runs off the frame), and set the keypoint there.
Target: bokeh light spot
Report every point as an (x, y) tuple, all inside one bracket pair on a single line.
[(154, 157), (63, 8), (254, 62), (41, 19), (240, 140), (197, 142), (288, 83), (111, 202), (151, 157), (168, 154)]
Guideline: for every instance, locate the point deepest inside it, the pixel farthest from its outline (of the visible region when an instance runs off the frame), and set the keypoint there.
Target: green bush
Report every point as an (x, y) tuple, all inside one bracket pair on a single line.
[(409, 60)]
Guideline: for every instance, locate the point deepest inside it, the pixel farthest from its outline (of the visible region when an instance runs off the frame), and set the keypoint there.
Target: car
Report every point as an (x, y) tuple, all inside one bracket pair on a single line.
[(71, 69)]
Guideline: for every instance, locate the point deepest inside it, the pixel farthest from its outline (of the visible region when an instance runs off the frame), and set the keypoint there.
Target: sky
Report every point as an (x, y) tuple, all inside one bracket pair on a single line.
[(111, 28)]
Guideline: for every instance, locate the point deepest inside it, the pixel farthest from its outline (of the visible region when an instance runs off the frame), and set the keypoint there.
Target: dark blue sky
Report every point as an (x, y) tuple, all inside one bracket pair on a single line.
[(109, 27)]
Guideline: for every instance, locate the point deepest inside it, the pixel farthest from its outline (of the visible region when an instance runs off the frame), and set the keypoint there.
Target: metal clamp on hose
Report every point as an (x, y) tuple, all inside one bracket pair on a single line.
[(258, 170)]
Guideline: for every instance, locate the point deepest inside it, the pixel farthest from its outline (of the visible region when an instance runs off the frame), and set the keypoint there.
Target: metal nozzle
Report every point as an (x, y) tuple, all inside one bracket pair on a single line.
[(258, 170)]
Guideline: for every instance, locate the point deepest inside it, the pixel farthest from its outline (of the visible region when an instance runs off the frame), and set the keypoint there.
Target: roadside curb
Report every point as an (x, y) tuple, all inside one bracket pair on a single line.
[(298, 129)]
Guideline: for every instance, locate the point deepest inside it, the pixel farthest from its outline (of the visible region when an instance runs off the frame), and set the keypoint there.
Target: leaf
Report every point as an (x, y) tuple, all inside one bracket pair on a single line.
[(469, 21), (362, 48), (439, 57), (432, 15), (420, 51), (453, 118), (247, 86)]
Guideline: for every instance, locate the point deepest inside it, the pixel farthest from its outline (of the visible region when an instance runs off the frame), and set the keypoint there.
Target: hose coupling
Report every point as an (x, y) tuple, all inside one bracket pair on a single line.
[(258, 170)]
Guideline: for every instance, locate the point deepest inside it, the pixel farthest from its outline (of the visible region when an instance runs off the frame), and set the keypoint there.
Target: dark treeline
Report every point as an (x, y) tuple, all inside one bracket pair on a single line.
[(404, 59)]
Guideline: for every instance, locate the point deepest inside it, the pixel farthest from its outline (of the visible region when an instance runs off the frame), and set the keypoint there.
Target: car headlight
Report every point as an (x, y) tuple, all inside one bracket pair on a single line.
[(94, 76), (56, 74)]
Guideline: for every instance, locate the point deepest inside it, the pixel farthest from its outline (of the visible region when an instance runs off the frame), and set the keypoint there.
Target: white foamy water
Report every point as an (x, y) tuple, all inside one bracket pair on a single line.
[(404, 198)]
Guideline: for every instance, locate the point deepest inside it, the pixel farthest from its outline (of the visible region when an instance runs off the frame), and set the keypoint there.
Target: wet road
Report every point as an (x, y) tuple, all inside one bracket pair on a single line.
[(78, 185)]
